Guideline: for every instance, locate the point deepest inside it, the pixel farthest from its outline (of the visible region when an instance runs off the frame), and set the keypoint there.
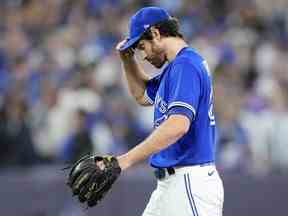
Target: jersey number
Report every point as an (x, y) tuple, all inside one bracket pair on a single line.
[(211, 109), (210, 112)]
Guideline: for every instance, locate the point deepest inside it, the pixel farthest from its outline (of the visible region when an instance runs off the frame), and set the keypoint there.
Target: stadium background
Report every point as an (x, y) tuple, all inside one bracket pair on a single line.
[(62, 94)]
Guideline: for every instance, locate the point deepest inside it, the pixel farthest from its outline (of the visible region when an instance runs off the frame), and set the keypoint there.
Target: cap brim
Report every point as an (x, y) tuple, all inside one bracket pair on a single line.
[(130, 43)]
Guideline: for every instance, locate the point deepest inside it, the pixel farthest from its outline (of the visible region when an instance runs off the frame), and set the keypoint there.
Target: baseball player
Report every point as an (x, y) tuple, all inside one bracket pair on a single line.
[(181, 147)]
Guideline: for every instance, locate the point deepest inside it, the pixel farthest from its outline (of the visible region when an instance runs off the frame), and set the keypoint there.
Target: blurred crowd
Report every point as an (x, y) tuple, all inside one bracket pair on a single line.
[(62, 92)]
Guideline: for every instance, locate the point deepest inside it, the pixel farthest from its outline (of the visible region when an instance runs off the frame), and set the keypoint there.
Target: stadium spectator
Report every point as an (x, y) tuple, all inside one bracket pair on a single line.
[(58, 57)]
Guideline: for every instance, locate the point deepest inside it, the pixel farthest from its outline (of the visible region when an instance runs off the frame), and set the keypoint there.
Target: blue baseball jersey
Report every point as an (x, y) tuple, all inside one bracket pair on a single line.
[(185, 87)]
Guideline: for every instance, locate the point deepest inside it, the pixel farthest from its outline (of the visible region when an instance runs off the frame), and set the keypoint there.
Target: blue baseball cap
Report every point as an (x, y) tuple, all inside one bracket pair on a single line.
[(141, 21)]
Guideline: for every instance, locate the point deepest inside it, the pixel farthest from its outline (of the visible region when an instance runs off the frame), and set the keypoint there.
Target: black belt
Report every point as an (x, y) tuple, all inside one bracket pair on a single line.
[(160, 173)]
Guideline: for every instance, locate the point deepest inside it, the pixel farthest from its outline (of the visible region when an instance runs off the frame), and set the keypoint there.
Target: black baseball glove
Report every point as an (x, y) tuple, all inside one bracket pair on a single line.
[(91, 177)]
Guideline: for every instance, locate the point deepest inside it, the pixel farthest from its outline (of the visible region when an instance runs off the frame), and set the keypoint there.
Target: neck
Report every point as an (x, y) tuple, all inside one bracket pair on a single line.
[(173, 46)]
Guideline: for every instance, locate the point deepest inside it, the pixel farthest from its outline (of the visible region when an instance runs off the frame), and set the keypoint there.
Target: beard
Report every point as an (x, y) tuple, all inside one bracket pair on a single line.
[(158, 59), (157, 63)]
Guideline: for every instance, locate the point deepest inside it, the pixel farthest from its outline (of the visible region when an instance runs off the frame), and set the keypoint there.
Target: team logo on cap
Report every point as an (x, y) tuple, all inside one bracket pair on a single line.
[(146, 26)]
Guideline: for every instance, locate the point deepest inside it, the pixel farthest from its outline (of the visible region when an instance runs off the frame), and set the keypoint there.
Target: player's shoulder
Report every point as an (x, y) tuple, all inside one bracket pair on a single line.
[(189, 60), (188, 56)]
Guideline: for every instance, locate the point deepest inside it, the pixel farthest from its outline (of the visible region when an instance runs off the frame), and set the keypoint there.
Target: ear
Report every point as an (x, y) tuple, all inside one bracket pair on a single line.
[(155, 33)]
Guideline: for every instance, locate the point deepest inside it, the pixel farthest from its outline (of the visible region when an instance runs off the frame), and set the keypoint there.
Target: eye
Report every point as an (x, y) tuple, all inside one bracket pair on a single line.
[(140, 46)]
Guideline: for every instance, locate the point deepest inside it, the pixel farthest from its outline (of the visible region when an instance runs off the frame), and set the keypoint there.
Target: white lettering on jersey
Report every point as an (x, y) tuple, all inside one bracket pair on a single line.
[(160, 104), (211, 109)]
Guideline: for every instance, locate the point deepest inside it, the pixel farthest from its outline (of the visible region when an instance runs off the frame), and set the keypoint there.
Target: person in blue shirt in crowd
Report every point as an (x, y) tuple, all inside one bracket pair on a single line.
[(182, 145)]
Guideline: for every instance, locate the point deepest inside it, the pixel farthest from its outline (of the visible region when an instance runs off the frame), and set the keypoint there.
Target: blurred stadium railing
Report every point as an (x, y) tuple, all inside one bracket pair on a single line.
[(41, 191)]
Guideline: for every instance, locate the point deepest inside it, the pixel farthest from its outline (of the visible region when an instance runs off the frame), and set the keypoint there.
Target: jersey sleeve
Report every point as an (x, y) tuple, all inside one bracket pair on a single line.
[(151, 89), (184, 90)]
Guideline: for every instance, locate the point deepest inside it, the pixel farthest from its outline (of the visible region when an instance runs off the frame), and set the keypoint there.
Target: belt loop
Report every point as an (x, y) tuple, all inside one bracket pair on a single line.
[(171, 170), (159, 173)]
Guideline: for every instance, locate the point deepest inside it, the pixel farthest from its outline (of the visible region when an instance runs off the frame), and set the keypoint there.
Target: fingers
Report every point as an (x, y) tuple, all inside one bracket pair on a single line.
[(84, 193), (101, 165), (89, 190), (127, 53), (79, 183), (93, 200), (76, 172), (121, 43)]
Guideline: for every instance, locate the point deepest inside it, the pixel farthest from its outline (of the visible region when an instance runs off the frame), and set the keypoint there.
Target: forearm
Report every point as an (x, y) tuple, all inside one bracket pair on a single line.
[(166, 134), (136, 78)]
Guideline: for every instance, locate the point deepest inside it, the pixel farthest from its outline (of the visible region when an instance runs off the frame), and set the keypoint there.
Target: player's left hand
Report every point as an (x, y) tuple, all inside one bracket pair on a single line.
[(91, 177)]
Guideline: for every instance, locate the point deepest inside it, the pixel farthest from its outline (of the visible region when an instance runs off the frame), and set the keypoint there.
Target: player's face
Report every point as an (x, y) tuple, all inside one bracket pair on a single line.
[(152, 51)]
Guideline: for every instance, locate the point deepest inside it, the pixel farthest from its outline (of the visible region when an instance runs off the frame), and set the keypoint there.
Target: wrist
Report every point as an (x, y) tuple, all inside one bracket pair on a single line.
[(124, 162)]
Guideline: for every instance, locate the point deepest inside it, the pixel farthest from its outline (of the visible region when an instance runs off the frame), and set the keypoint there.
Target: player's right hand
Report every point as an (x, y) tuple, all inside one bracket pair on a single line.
[(125, 54)]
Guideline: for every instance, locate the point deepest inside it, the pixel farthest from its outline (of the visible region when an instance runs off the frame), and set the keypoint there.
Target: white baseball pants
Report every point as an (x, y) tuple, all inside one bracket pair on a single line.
[(191, 191)]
